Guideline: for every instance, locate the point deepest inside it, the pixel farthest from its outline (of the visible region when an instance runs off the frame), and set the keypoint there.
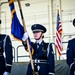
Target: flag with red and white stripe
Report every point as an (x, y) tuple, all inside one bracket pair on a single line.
[(59, 46)]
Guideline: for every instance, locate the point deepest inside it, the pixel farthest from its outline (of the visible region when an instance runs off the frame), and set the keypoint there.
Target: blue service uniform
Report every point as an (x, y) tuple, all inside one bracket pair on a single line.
[(71, 55), (43, 59), (42, 54), (5, 46)]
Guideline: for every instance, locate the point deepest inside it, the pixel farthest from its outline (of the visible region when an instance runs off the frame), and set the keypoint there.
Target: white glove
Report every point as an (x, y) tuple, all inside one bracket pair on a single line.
[(6, 73), (51, 73), (25, 36)]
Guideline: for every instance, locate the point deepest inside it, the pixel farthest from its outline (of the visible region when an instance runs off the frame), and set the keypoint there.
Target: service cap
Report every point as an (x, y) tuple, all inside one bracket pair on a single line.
[(38, 27)]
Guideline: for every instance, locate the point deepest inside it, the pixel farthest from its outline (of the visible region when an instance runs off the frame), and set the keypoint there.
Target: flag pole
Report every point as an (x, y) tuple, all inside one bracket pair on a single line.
[(25, 31)]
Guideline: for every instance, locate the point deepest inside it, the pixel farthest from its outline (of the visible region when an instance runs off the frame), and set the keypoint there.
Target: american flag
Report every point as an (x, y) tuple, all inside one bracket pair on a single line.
[(59, 46)]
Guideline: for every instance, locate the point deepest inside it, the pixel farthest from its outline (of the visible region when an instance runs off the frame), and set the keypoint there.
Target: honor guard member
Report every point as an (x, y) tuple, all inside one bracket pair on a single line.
[(5, 48), (71, 54), (42, 55)]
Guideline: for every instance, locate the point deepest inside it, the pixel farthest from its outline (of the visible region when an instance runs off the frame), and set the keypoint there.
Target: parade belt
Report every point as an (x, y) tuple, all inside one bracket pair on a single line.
[(40, 61)]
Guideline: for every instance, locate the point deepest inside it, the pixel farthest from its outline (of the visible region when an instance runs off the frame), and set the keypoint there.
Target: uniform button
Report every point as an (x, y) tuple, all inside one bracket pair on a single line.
[(35, 64)]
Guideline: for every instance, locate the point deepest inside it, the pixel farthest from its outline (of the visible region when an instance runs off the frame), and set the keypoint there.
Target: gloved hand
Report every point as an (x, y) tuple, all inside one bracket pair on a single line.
[(25, 36), (50, 73), (6, 73)]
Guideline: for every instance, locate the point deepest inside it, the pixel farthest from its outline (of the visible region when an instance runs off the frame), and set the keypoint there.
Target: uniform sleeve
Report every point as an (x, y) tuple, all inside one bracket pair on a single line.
[(24, 44), (26, 48), (70, 60), (8, 54), (51, 60)]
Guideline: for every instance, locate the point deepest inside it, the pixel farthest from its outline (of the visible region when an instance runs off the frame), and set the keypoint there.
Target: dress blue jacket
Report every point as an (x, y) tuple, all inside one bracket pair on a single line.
[(44, 52), (71, 55), (5, 47)]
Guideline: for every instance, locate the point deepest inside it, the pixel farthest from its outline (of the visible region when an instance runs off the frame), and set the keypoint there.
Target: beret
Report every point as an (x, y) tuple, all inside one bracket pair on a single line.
[(38, 27)]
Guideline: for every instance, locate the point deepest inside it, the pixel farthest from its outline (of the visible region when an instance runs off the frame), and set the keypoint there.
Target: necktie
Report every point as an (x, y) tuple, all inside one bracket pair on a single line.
[(37, 45)]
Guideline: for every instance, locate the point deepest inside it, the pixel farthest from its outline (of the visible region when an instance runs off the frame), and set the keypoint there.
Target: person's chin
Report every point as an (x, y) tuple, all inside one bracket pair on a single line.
[(36, 39)]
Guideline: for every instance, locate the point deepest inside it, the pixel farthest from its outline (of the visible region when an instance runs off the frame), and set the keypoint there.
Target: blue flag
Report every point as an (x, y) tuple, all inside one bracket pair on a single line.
[(17, 30)]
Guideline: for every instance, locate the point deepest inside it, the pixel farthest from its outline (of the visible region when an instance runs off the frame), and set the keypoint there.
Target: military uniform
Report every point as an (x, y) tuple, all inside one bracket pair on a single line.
[(43, 57), (5, 46), (71, 54)]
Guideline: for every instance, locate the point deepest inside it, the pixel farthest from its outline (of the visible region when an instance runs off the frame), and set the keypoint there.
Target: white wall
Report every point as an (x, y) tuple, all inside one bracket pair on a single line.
[(38, 12)]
